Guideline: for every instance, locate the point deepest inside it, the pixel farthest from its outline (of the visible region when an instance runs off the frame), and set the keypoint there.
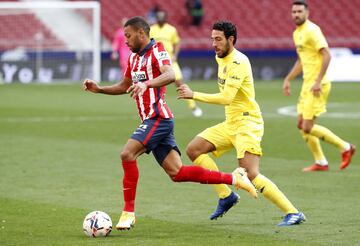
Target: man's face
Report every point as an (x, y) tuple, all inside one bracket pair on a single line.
[(133, 40), (299, 14), (161, 17), (220, 43)]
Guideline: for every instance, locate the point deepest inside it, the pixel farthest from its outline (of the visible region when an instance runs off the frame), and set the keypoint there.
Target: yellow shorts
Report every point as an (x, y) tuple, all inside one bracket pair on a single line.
[(310, 106), (177, 70), (244, 137)]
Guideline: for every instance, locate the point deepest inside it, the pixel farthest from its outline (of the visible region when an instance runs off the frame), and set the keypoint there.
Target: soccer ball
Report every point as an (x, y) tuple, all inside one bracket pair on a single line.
[(97, 224)]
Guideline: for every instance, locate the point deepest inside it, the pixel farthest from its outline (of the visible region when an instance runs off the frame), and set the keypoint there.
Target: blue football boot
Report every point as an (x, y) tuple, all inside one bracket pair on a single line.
[(224, 205), (293, 219)]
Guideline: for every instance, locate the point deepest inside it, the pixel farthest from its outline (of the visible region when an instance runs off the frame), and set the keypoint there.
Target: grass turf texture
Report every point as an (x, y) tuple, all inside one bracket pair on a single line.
[(59, 160)]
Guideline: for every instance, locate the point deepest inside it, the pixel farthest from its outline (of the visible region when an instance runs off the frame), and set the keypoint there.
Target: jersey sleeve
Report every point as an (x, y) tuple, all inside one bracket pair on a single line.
[(319, 39), (225, 97), (237, 72), (161, 55)]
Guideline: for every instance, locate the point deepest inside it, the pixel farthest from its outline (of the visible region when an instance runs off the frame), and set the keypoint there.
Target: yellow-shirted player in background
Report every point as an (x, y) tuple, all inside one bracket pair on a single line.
[(242, 129), (313, 60), (168, 35)]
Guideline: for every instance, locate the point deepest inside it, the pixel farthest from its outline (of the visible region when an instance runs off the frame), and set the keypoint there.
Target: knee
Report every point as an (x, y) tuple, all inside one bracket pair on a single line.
[(127, 155), (252, 174), (307, 128), (192, 151)]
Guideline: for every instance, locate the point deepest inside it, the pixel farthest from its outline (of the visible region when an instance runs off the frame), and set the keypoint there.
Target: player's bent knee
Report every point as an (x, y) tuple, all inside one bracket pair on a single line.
[(126, 155), (307, 129), (192, 152)]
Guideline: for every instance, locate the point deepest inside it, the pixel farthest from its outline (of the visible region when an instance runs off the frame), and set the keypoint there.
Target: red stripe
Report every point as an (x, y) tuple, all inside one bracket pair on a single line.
[(152, 131)]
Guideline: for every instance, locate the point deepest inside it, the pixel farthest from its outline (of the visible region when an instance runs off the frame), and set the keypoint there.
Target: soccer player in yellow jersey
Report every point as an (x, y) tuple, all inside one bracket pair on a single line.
[(168, 35), (242, 129), (313, 60)]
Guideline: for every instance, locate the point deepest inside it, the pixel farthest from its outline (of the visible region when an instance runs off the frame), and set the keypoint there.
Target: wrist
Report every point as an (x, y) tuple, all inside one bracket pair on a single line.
[(148, 84)]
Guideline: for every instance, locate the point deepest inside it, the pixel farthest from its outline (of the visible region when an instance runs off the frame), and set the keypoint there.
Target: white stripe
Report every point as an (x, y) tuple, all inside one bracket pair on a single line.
[(141, 101), (149, 67), (163, 108), (291, 111), (152, 100), (151, 90)]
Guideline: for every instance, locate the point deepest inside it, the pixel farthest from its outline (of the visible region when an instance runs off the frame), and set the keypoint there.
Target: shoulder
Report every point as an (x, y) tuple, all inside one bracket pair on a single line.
[(239, 58), (170, 28), (312, 27)]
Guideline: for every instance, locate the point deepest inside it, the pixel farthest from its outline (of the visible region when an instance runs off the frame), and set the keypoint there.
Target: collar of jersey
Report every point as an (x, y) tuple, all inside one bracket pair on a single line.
[(147, 47), (228, 57), (303, 25)]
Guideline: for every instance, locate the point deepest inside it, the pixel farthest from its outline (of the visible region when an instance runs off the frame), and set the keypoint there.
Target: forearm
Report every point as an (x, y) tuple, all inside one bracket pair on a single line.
[(295, 71), (325, 63), (116, 89), (165, 78), (217, 98)]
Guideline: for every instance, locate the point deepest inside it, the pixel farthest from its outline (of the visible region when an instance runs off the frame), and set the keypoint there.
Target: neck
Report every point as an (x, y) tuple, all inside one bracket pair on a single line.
[(145, 46)]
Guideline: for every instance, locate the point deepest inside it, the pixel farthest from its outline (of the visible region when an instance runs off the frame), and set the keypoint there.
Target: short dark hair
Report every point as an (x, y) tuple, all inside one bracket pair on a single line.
[(300, 2), (228, 28), (138, 22)]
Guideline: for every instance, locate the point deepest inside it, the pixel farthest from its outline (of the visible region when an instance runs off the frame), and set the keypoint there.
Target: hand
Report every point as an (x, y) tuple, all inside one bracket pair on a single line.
[(185, 92), (316, 89), (137, 89), (91, 85), (286, 88)]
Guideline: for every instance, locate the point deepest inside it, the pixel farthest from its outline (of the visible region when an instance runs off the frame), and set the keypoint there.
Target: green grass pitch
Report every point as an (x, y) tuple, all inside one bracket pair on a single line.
[(59, 160)]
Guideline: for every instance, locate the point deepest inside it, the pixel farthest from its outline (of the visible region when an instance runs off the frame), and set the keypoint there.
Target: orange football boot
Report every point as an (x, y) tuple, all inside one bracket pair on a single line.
[(346, 157), (315, 167)]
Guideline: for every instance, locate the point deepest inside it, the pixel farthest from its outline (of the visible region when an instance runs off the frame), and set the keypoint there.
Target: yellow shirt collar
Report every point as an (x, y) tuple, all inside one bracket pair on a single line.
[(228, 57)]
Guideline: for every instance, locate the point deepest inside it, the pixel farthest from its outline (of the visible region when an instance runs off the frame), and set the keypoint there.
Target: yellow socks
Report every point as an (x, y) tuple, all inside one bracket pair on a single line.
[(314, 146), (205, 161), (328, 136), (191, 103), (272, 192)]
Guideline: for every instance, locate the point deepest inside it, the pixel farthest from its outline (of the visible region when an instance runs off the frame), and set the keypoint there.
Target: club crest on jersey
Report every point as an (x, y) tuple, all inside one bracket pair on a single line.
[(163, 55), (139, 76), (144, 61)]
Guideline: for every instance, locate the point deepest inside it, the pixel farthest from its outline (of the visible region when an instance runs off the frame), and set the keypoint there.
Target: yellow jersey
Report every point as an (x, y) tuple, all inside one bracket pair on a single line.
[(236, 85), (309, 40), (167, 34)]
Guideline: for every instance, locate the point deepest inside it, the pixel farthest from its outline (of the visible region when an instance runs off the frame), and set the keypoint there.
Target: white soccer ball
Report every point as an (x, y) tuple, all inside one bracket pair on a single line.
[(97, 224)]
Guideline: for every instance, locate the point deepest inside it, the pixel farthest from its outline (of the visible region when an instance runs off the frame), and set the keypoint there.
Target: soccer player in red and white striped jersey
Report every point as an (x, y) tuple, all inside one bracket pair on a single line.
[(149, 70)]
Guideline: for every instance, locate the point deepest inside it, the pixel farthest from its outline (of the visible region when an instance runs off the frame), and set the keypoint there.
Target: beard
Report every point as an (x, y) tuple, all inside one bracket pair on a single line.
[(226, 50)]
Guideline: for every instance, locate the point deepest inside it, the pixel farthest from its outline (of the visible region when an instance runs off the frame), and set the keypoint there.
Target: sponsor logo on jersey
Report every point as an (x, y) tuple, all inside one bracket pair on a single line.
[(235, 77), (139, 76), (163, 55)]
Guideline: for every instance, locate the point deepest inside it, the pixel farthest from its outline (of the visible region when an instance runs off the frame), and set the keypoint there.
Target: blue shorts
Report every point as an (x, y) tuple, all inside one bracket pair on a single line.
[(157, 135)]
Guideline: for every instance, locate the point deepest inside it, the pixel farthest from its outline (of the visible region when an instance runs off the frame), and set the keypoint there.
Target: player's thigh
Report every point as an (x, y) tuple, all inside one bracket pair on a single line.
[(177, 70), (218, 137)]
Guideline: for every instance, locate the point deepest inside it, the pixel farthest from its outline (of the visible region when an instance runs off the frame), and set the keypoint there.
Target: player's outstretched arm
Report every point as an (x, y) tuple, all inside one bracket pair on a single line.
[(116, 89), (223, 98)]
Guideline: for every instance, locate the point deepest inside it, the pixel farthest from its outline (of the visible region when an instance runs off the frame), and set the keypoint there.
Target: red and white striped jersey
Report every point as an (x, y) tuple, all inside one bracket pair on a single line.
[(145, 66)]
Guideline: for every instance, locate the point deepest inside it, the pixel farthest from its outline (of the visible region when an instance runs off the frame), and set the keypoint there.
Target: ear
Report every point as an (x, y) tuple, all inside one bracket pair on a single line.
[(231, 39), (141, 32)]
